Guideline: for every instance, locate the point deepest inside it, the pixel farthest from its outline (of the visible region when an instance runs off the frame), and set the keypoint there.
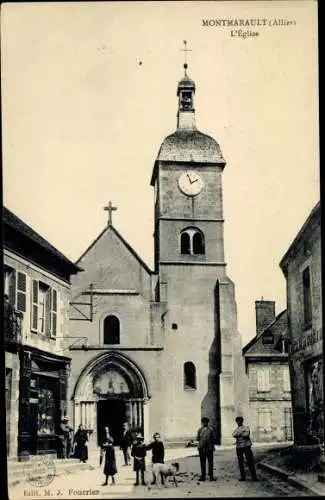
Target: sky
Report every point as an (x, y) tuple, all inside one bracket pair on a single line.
[(89, 94)]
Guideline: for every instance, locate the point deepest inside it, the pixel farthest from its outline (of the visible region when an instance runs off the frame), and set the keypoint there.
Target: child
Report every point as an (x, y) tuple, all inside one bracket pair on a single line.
[(139, 453), (158, 454), (110, 469)]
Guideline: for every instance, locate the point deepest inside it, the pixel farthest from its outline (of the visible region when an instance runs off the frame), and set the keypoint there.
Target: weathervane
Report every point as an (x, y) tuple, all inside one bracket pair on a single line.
[(186, 50)]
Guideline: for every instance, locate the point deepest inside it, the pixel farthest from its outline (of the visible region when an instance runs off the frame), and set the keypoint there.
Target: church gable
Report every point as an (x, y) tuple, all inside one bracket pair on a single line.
[(110, 263)]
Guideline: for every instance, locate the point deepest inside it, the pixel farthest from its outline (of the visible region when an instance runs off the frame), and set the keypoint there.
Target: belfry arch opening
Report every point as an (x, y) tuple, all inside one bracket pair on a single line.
[(111, 390)]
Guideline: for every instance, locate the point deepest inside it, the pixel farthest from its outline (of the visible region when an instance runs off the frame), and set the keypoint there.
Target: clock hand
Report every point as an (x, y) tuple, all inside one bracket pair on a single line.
[(195, 180), (189, 178)]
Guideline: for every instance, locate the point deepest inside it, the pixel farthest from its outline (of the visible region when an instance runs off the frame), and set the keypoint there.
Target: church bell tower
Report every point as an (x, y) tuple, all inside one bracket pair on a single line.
[(202, 348)]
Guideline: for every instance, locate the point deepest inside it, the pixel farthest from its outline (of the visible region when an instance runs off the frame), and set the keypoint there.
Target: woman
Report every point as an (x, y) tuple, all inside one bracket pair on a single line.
[(81, 438), (110, 469)]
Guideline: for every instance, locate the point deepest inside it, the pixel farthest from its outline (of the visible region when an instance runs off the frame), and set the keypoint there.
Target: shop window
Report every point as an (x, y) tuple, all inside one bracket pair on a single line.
[(192, 242), (44, 309), (46, 411), (111, 330), (263, 379), (307, 297), (189, 375)]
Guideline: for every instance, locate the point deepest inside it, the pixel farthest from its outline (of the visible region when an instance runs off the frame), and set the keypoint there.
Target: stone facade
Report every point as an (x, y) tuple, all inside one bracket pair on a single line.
[(176, 341), (267, 368), (301, 266), (36, 330)]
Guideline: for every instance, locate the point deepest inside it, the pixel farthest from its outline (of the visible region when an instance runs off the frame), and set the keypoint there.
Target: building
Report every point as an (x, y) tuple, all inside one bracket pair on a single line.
[(301, 266), (162, 347), (37, 294), (267, 368)]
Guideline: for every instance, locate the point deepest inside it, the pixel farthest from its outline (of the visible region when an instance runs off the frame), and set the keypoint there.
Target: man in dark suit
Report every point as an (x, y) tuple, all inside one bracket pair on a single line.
[(206, 440), (126, 443)]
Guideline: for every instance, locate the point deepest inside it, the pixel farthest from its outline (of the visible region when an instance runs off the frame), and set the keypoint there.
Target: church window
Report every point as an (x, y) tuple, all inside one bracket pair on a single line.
[(198, 245), (185, 243), (192, 242), (189, 375), (111, 330)]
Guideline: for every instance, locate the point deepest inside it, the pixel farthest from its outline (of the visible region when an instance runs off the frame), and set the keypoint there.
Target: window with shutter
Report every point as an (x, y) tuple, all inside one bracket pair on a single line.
[(21, 291), (10, 284), (263, 379), (264, 418), (54, 312), (34, 308), (47, 316)]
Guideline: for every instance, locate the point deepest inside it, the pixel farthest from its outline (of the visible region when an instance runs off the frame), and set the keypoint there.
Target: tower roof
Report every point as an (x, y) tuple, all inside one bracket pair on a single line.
[(190, 145)]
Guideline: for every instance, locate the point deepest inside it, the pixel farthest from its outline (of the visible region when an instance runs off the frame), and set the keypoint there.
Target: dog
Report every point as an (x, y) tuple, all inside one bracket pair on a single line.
[(163, 471)]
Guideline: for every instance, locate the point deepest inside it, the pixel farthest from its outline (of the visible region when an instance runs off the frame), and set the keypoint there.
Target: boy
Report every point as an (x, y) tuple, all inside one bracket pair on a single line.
[(158, 454), (244, 447), (139, 453)]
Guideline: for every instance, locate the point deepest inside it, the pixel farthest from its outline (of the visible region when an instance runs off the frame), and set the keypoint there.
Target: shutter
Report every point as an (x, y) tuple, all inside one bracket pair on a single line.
[(286, 379), (54, 312), (21, 291), (48, 302), (12, 287), (268, 420), (259, 379), (266, 379), (34, 311)]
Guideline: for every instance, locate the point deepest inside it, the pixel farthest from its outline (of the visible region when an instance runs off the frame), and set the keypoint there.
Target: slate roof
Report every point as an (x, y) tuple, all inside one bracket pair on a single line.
[(313, 218), (277, 328), (190, 145), (11, 220)]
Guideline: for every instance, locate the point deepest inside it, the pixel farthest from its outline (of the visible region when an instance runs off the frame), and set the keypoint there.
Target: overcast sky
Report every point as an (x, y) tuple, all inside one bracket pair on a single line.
[(83, 121)]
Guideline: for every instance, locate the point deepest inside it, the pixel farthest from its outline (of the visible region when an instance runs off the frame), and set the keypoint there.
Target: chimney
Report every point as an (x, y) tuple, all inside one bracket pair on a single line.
[(265, 314)]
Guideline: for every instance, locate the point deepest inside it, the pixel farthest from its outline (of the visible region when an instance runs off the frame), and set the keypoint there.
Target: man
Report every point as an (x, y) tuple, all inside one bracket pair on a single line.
[(244, 447), (158, 455), (126, 442), (206, 440), (65, 439), (139, 453)]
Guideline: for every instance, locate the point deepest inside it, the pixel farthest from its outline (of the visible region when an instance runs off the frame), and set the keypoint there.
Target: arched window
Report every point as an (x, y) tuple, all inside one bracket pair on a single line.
[(111, 330), (185, 243), (189, 375), (192, 241), (198, 243)]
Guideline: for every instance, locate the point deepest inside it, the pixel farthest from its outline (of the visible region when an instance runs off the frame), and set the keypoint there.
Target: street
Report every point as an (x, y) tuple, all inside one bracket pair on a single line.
[(88, 484)]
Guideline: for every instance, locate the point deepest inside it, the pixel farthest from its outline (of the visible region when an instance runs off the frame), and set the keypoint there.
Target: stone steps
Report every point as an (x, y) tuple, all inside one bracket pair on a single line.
[(17, 470)]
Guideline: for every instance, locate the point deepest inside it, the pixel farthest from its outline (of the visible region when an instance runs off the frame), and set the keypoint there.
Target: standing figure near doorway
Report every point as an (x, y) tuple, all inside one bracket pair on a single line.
[(107, 450), (126, 443), (65, 445), (139, 452), (81, 449)]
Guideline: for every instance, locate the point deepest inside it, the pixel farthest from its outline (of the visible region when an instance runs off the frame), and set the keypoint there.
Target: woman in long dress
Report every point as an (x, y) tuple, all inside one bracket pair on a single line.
[(81, 438), (107, 451)]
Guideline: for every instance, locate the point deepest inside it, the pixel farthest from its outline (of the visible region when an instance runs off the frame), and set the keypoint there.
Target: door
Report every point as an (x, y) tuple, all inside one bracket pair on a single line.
[(111, 413)]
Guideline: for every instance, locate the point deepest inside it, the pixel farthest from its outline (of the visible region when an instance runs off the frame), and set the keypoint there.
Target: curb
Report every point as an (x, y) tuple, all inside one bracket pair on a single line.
[(290, 479)]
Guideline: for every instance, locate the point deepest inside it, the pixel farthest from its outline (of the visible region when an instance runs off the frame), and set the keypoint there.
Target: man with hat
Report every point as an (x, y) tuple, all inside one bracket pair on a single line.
[(206, 440), (139, 452), (64, 438)]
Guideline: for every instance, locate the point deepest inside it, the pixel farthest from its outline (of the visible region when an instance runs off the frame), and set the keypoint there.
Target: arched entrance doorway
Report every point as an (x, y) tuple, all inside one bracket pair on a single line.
[(111, 390)]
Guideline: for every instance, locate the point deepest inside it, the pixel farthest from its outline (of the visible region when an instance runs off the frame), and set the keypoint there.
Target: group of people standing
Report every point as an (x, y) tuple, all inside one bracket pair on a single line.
[(137, 449), (72, 445), (131, 448), (206, 439)]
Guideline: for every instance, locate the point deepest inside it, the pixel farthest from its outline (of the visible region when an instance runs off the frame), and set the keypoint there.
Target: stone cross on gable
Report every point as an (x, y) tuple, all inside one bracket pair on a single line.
[(110, 209)]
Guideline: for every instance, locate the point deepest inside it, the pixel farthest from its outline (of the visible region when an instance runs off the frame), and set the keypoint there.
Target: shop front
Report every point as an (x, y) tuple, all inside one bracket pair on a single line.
[(43, 390)]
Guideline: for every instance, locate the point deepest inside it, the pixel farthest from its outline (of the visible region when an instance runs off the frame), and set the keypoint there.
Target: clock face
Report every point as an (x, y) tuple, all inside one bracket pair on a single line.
[(190, 183)]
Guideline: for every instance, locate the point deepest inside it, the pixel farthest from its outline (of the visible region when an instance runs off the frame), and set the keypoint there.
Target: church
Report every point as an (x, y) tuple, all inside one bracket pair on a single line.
[(160, 348)]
